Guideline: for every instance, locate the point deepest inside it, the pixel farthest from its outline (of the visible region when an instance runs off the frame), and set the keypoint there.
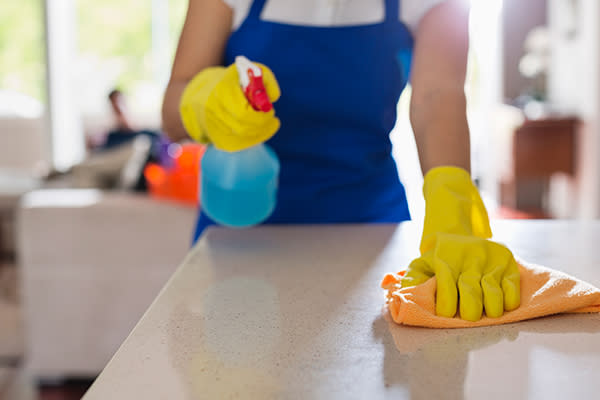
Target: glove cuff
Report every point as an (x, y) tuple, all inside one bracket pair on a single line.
[(445, 175), (193, 102), (452, 205)]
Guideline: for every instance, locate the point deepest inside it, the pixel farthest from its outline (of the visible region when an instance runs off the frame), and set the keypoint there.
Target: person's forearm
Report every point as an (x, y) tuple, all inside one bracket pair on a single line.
[(172, 125), (203, 39), (441, 130), (123, 123), (438, 105)]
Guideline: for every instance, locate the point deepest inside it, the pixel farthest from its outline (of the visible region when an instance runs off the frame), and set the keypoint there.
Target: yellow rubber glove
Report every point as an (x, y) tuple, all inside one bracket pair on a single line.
[(454, 249), (452, 205), (215, 110), (479, 272)]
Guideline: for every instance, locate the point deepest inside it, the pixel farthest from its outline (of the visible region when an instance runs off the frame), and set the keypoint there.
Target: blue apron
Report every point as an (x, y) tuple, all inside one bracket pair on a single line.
[(340, 87)]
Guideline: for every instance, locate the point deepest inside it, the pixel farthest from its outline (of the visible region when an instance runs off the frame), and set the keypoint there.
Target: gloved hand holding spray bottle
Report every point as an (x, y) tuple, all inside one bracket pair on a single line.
[(231, 110)]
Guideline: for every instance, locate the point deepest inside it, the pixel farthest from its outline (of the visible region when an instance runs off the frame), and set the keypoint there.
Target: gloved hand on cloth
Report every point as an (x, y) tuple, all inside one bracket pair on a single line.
[(473, 273)]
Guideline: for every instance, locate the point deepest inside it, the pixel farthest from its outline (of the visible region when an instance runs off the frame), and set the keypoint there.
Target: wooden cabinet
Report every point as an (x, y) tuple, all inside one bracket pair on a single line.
[(540, 148)]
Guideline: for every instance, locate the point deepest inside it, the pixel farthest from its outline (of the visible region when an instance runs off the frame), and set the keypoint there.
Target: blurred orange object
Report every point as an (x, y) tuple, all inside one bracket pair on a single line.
[(179, 182)]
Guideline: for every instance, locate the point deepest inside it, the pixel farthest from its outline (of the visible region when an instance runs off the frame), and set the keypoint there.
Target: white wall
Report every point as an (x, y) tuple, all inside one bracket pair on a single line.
[(574, 85), (66, 132), (518, 18), (486, 94)]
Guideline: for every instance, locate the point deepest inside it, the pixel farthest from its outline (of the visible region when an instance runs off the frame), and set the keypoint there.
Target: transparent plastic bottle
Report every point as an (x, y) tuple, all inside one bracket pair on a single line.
[(239, 189)]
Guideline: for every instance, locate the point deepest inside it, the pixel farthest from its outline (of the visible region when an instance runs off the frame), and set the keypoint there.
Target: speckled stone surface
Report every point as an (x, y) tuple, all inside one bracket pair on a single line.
[(297, 313)]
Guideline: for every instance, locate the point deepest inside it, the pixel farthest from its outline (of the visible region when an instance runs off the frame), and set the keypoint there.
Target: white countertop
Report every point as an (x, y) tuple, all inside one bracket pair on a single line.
[(296, 313)]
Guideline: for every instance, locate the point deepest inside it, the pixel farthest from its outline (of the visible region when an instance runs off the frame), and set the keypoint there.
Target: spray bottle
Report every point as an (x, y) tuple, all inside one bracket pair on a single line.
[(239, 189)]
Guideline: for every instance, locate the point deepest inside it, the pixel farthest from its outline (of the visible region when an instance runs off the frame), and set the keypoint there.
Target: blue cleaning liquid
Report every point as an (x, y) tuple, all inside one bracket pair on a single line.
[(239, 189)]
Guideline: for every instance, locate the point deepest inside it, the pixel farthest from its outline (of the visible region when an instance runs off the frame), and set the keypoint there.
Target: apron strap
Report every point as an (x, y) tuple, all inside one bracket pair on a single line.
[(392, 11), (256, 10)]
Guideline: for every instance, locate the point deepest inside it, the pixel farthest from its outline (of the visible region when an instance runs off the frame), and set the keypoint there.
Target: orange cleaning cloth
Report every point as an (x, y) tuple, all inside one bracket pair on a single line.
[(543, 292)]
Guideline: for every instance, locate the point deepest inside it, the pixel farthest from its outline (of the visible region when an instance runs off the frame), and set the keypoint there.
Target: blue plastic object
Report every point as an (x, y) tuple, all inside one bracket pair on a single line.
[(239, 189)]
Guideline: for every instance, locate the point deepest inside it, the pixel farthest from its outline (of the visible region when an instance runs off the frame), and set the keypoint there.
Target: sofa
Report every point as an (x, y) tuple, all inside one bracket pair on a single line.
[(91, 262)]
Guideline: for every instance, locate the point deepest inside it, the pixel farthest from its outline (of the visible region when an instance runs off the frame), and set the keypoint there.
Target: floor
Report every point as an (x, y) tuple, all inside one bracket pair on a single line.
[(70, 390), (14, 385)]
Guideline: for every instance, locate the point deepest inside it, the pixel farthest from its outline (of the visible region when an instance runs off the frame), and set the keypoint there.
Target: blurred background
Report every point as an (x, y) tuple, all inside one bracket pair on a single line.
[(93, 217)]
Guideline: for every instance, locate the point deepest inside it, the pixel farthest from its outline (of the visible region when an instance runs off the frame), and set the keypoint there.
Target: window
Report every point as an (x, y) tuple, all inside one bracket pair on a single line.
[(129, 45), (22, 49)]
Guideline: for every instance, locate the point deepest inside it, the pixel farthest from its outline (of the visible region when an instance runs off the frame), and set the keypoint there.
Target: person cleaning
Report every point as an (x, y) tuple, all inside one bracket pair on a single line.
[(334, 71)]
